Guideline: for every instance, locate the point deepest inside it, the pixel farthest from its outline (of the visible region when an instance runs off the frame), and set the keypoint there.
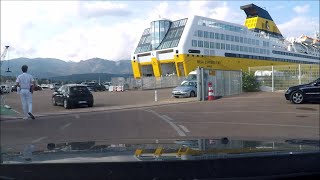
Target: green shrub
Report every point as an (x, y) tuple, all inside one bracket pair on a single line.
[(249, 82)]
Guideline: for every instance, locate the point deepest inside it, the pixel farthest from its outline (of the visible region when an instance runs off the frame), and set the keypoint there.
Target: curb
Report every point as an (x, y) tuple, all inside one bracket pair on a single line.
[(119, 108)]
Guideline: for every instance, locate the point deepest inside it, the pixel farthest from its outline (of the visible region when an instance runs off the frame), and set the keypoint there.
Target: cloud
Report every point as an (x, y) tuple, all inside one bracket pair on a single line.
[(302, 9), (103, 8), (297, 25)]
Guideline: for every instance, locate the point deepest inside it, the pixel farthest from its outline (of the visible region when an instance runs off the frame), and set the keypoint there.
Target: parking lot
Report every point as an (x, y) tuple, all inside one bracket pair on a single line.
[(133, 116), (42, 103)]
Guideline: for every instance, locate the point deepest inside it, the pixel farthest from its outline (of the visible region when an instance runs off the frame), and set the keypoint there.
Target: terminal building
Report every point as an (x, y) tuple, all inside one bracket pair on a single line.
[(179, 47)]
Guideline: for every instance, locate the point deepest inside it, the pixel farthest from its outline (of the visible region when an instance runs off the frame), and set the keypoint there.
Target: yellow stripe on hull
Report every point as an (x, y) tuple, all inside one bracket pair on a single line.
[(191, 62)]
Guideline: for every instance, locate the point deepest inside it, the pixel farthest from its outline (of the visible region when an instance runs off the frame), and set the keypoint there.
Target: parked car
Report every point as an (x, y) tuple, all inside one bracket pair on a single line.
[(107, 85), (38, 88), (14, 88), (93, 86), (72, 95), (5, 89), (304, 93), (187, 89)]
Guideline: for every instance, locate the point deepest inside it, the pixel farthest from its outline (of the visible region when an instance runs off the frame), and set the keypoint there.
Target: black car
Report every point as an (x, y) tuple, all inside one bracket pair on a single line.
[(71, 95), (92, 86), (305, 92)]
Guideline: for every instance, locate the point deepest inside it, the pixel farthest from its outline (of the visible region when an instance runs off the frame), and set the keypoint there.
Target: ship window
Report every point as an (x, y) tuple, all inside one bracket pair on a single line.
[(206, 44), (257, 42), (206, 34), (200, 33), (223, 46), (222, 36), (257, 50), (241, 49), (216, 35), (194, 43), (217, 45), (228, 46), (245, 49), (241, 39), (233, 47), (250, 49), (212, 45), (237, 38), (228, 37), (237, 47), (261, 51), (211, 35), (232, 38), (175, 43), (200, 43)]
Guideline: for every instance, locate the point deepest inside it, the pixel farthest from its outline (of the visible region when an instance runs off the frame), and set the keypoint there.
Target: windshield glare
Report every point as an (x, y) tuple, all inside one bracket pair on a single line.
[(158, 80)]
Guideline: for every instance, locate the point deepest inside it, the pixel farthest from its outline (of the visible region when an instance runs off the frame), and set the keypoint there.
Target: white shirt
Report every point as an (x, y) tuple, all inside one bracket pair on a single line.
[(25, 80)]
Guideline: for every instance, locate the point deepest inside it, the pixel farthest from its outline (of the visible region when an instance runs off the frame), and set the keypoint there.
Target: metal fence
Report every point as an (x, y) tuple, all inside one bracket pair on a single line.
[(148, 82), (275, 78), (228, 83)]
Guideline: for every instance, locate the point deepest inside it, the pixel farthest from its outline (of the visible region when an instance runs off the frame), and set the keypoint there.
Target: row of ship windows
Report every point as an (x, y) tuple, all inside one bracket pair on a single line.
[(295, 55), (218, 25), (232, 47), (267, 58), (219, 36)]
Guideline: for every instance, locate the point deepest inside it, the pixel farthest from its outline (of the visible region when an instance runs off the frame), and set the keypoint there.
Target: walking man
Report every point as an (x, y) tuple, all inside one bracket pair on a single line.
[(26, 84)]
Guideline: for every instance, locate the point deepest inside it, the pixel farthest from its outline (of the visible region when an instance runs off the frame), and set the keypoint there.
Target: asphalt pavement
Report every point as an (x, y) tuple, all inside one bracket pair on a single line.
[(253, 116)]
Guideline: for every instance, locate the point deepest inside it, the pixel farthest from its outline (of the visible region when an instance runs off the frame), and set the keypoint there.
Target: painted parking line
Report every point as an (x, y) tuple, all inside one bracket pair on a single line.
[(253, 124), (185, 129), (174, 126), (168, 117), (223, 112), (65, 126), (39, 139)]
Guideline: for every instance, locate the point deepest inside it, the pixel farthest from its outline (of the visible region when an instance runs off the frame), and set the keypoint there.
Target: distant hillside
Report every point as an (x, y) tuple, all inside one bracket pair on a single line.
[(49, 67), (89, 77)]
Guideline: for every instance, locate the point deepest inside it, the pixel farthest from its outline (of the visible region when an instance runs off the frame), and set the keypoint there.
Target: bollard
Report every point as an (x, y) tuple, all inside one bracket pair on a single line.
[(155, 95)]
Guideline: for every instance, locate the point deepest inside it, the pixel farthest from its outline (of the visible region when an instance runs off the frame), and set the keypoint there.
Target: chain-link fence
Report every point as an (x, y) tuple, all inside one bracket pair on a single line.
[(275, 78), (148, 82)]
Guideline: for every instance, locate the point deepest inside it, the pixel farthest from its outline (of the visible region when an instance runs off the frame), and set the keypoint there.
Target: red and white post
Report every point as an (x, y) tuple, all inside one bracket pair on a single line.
[(210, 92)]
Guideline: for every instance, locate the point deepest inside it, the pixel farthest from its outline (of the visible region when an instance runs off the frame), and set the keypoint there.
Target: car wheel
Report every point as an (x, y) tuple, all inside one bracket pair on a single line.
[(90, 105), (54, 101), (297, 97), (66, 104), (192, 94)]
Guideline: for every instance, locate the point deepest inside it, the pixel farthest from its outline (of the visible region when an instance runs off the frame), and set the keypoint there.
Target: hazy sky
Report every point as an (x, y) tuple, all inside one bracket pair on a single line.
[(79, 30)]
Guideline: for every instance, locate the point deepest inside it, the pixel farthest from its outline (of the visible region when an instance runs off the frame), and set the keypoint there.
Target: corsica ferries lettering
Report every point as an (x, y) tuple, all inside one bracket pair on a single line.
[(208, 62)]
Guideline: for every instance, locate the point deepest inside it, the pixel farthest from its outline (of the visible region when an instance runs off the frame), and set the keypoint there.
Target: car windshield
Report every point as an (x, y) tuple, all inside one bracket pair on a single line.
[(189, 84), (157, 80)]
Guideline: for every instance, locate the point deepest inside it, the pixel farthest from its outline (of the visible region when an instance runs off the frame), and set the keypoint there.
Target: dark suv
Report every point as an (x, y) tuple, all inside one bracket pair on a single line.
[(305, 92), (71, 95)]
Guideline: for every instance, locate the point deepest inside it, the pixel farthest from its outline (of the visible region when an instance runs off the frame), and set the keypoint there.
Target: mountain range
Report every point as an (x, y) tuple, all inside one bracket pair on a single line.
[(49, 67)]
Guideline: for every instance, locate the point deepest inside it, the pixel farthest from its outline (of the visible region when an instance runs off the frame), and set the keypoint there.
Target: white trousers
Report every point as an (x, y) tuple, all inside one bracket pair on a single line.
[(26, 100)]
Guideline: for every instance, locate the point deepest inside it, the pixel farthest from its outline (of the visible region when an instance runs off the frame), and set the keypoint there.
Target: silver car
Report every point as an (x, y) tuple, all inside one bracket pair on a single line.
[(187, 89)]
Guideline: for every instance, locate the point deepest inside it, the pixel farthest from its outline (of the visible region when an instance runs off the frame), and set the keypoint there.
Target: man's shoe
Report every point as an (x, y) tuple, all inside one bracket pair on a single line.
[(31, 115)]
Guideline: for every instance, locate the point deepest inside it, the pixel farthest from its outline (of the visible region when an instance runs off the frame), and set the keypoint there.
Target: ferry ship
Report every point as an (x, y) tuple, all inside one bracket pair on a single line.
[(179, 47)]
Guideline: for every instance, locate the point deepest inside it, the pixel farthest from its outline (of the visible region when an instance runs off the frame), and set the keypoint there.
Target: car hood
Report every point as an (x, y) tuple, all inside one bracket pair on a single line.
[(301, 86), (181, 149)]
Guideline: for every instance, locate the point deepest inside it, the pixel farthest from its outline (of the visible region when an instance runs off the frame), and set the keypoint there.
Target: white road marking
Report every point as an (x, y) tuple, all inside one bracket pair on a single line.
[(223, 112), (168, 117), (65, 126), (175, 127), (77, 116), (39, 139), (184, 128), (254, 124)]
